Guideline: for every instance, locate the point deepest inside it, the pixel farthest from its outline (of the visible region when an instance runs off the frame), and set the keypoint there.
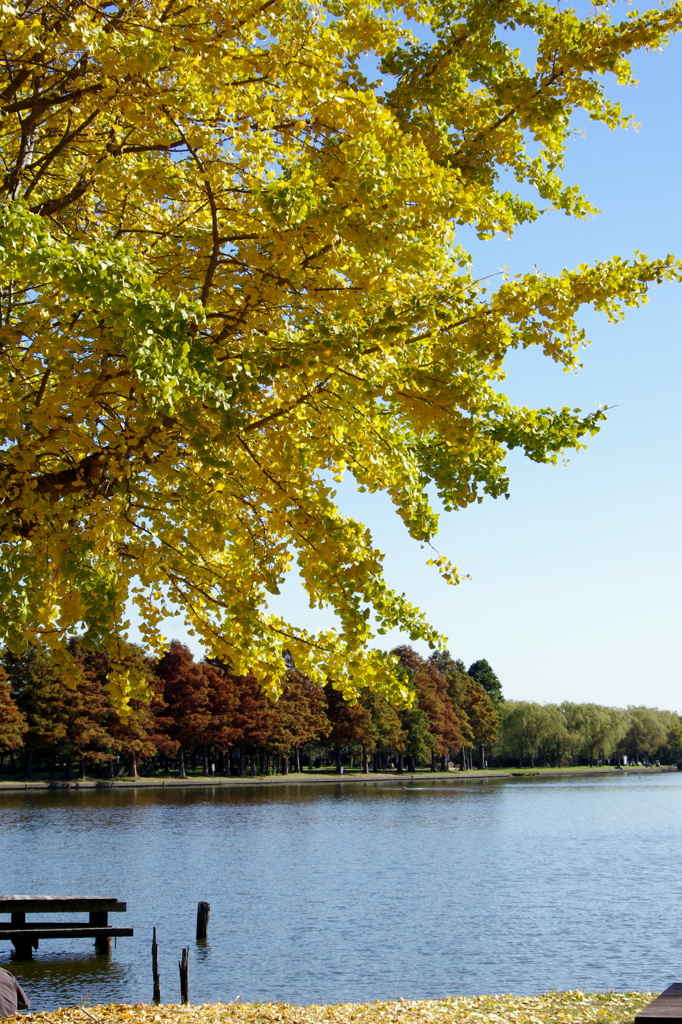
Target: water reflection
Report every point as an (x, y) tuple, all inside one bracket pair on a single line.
[(324, 893), (60, 973)]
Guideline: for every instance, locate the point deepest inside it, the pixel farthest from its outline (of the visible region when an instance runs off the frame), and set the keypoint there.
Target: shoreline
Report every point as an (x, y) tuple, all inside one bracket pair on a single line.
[(312, 778)]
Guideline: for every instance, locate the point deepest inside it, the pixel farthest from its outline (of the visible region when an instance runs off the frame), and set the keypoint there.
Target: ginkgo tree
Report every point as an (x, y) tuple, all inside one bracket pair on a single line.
[(231, 273)]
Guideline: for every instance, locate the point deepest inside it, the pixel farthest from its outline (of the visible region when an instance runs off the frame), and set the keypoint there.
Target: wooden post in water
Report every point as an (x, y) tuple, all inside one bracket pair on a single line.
[(155, 970), (23, 948), (100, 919), (203, 912), (184, 976)]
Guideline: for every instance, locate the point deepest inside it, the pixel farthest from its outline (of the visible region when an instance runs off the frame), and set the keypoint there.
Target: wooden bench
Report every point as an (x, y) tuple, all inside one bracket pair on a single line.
[(25, 935), (665, 1009)]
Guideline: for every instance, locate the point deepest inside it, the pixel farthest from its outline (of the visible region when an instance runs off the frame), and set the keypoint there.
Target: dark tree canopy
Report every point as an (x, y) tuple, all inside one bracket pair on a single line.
[(483, 673)]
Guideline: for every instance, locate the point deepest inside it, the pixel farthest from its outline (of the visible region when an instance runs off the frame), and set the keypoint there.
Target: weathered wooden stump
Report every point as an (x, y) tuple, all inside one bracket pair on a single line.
[(155, 970), (183, 964), (203, 913)]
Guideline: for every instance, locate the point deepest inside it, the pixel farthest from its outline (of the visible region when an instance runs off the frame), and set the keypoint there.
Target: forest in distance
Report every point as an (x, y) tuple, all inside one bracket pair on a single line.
[(202, 717)]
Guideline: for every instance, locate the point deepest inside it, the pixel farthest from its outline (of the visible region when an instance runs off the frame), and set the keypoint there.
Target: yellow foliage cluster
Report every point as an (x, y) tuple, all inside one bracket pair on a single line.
[(230, 273)]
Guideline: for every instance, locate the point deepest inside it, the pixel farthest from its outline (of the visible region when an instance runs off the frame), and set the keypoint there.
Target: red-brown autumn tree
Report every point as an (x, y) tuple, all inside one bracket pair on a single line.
[(432, 696), (12, 722), (185, 719), (299, 717)]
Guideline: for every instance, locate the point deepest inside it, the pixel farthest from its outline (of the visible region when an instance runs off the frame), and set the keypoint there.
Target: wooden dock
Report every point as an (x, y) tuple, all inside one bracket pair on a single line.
[(665, 1009), (25, 935)]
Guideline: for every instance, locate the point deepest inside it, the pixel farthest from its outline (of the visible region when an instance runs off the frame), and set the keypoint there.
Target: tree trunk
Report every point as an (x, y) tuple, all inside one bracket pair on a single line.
[(110, 768), (337, 754), (365, 765), (204, 765), (297, 760), (182, 774), (285, 764), (443, 765), (242, 766), (481, 754), (399, 764), (132, 764)]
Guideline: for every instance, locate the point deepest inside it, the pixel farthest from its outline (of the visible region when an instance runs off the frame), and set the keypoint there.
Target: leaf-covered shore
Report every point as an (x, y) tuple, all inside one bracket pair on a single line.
[(552, 1008)]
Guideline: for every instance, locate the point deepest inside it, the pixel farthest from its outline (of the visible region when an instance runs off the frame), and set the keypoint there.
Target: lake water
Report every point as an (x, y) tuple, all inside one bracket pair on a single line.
[(331, 893)]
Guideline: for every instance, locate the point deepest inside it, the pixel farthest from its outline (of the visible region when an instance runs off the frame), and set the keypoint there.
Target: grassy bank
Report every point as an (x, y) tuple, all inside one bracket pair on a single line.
[(553, 1008), (321, 775)]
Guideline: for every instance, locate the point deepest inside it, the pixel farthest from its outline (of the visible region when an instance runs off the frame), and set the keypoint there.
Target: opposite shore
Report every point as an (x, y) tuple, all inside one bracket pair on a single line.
[(325, 778)]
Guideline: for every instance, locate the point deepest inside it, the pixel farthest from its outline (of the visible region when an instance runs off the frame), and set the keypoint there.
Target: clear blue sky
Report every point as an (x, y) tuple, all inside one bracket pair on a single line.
[(575, 580)]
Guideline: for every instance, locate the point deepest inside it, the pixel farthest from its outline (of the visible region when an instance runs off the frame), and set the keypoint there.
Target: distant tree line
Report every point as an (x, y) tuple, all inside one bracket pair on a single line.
[(202, 717), (200, 714), (554, 735)]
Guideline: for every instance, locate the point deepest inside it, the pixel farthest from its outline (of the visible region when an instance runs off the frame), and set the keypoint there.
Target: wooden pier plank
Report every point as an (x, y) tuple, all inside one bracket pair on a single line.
[(66, 930), (31, 926), (60, 904), (665, 1009)]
